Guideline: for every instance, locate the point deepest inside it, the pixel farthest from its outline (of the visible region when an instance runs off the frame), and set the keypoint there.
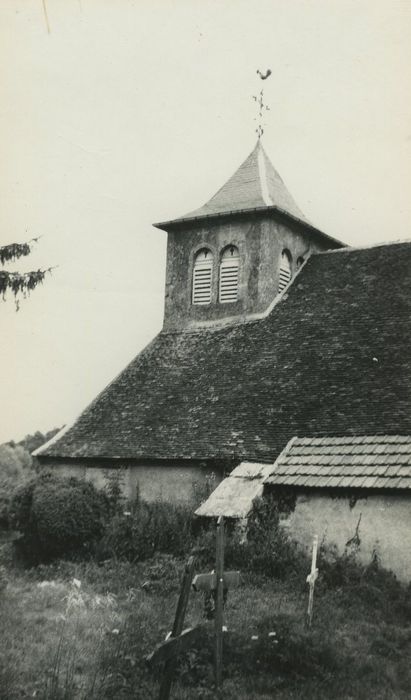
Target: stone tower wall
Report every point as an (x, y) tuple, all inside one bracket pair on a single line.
[(260, 240)]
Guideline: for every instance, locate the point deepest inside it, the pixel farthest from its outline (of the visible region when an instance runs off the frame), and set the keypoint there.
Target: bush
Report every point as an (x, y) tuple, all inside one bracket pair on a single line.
[(17, 466), (57, 516)]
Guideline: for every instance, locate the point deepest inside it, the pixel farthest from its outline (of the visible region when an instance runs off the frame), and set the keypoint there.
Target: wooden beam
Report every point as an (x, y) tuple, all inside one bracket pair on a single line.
[(165, 686), (311, 579), (208, 582), (174, 646), (219, 569)]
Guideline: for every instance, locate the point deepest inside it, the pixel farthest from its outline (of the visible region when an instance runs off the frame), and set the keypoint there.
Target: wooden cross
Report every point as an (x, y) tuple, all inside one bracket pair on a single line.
[(207, 583), (311, 579), (179, 640), (218, 583)]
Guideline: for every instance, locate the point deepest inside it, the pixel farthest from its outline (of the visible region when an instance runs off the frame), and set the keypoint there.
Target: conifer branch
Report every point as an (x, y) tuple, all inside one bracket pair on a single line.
[(13, 251)]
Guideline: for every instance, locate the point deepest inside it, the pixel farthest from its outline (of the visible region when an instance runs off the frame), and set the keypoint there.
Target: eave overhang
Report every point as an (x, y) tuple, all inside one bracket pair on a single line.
[(187, 221)]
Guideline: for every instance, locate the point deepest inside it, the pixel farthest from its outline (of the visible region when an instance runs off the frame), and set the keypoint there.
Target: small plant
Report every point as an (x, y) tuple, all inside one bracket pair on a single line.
[(114, 490), (61, 679)]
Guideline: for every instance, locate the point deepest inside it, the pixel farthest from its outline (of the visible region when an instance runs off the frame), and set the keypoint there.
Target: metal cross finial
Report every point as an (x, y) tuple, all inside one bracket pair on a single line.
[(262, 107)]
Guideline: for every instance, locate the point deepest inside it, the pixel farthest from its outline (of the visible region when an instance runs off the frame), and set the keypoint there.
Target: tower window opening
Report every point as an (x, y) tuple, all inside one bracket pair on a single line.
[(285, 270), (202, 277), (229, 275), (300, 261)]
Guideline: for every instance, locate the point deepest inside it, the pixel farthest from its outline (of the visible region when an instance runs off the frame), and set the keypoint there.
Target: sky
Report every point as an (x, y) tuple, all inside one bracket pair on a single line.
[(115, 115)]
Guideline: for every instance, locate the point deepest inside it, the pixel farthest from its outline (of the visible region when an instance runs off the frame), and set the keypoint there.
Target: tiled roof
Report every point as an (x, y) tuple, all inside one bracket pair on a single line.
[(256, 185), (332, 358), (376, 461)]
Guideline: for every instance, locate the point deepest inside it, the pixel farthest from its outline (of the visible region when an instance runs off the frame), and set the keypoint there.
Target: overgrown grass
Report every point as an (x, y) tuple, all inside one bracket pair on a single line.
[(61, 640), (81, 629)]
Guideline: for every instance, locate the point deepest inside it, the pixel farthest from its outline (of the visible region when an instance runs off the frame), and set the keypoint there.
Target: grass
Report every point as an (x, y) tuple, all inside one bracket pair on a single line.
[(62, 640)]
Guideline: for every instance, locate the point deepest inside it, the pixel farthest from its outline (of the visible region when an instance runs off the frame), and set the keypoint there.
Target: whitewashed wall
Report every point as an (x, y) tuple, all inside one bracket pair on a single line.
[(385, 526)]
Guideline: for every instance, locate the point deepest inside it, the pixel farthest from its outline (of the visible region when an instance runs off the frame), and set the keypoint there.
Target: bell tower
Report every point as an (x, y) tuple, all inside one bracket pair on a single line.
[(229, 259)]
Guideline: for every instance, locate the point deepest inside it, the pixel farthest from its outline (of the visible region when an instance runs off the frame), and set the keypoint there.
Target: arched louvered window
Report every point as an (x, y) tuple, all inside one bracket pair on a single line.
[(229, 273), (285, 270), (202, 277)]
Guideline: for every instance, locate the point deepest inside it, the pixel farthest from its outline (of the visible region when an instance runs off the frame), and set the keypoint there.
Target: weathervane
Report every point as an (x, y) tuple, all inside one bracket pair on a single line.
[(262, 107)]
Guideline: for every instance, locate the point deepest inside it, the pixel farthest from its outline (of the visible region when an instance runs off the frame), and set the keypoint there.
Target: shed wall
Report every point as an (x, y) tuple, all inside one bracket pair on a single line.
[(383, 520)]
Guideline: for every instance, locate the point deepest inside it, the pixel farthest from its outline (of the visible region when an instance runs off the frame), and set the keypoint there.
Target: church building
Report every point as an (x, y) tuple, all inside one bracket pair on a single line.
[(283, 351)]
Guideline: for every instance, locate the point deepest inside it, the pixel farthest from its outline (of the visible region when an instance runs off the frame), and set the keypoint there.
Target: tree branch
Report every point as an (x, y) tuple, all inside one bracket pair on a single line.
[(13, 251)]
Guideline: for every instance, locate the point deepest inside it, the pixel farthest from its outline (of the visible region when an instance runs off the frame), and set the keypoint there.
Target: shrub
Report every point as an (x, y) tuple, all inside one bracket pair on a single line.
[(17, 466), (57, 516)]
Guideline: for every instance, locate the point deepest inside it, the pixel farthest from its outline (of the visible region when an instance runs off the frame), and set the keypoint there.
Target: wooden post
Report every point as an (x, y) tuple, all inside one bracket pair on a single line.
[(311, 579), (177, 626), (219, 601)]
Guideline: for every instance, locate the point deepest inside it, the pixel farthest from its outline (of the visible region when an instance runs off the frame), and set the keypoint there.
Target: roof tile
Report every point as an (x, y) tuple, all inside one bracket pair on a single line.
[(374, 468)]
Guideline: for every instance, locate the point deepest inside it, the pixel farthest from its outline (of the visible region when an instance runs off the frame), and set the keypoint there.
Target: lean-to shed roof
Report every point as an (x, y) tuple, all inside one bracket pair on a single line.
[(366, 461)]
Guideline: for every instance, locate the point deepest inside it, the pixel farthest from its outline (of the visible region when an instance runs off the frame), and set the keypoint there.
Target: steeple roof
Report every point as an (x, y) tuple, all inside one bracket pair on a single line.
[(256, 185)]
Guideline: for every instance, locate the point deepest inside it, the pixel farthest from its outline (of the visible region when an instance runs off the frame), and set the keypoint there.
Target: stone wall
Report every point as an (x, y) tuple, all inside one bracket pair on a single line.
[(382, 522), (178, 483), (260, 241)]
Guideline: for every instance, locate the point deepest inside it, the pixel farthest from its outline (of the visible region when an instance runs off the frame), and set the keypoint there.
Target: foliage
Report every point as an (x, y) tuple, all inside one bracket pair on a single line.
[(15, 470), (369, 587), (265, 547), (114, 491), (57, 515), (146, 528), (203, 489), (14, 251), (36, 440), (17, 466), (66, 639), (17, 282)]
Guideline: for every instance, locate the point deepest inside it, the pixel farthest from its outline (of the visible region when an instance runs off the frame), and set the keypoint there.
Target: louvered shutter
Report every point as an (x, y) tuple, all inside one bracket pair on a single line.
[(202, 277), (229, 273), (285, 272)]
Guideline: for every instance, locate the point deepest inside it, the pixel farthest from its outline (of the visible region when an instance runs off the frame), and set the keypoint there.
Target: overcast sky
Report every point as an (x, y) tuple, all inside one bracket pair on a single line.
[(130, 112)]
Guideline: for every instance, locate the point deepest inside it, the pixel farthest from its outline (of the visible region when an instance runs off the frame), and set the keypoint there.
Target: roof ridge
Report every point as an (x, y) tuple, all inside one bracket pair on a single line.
[(353, 249)]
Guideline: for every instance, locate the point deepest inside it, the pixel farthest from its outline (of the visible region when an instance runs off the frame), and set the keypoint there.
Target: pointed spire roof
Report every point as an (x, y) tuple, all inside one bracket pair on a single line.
[(255, 185)]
